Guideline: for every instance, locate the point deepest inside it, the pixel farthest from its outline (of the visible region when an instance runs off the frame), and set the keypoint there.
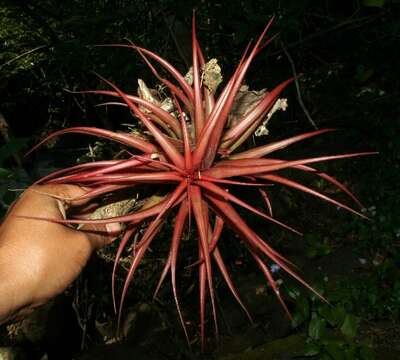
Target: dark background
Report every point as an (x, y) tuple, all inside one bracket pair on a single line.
[(347, 53)]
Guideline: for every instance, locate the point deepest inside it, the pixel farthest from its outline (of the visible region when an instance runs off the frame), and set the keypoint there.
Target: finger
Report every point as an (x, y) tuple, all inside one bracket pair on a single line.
[(68, 195)]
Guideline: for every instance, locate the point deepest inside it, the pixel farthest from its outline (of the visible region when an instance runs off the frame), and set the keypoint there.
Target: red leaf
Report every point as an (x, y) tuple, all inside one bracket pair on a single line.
[(129, 140), (260, 151)]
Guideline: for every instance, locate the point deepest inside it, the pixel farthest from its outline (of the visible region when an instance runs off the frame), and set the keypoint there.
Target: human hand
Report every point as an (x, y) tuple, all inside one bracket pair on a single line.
[(40, 259)]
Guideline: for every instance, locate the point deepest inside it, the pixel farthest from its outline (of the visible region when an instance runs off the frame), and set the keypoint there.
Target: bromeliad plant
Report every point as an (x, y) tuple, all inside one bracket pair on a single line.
[(190, 151)]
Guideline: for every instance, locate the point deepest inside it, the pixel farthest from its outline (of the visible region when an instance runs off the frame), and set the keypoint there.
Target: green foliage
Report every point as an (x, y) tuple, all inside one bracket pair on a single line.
[(373, 3), (316, 246), (10, 148), (331, 329)]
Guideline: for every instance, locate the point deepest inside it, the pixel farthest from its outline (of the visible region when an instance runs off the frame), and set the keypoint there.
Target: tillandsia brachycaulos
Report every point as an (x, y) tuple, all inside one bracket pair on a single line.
[(192, 149)]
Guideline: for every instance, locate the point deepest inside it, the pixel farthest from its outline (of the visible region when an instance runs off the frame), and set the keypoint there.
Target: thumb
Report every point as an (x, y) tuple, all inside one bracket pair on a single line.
[(101, 235)]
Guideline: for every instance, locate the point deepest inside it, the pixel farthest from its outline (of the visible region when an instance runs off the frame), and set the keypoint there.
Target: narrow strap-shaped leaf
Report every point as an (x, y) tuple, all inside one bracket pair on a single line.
[(129, 140), (163, 126), (208, 96), (296, 185), (267, 200), (225, 274), (100, 190), (216, 125), (225, 172), (332, 180), (165, 64), (197, 92), (120, 165), (175, 90), (137, 216), (229, 214), (122, 245), (76, 168), (207, 142), (248, 162), (259, 162), (202, 299), (202, 226), (163, 115), (187, 151), (328, 178), (226, 211), (271, 281), (215, 189), (254, 116), (168, 130), (180, 221), (261, 151), (231, 182), (175, 73), (149, 234), (216, 235), (171, 201), (125, 178), (164, 143)]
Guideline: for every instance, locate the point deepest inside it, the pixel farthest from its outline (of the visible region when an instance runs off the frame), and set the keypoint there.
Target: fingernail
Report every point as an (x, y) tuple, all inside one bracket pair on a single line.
[(113, 228)]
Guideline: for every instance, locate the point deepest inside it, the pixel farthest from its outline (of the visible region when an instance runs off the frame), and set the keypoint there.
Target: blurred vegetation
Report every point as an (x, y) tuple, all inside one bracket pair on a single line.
[(347, 54)]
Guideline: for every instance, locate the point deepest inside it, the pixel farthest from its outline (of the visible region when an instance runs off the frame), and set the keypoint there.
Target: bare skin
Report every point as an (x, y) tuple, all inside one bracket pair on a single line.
[(40, 259)]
